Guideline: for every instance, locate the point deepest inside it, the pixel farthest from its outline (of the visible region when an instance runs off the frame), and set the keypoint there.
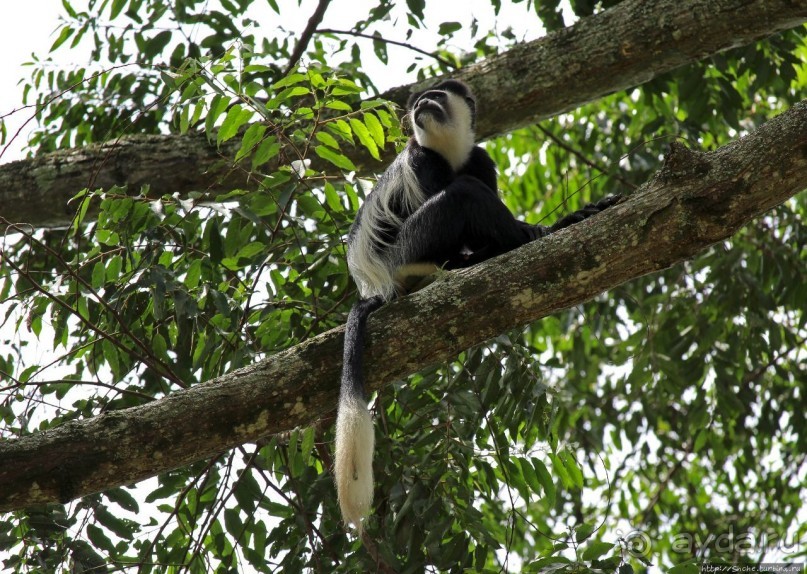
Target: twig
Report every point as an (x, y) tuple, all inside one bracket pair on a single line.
[(148, 358), (305, 37), (578, 154), (372, 550), (388, 41), (665, 482)]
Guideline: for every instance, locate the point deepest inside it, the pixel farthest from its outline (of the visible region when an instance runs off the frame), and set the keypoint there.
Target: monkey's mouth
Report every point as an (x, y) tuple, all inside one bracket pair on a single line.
[(428, 108)]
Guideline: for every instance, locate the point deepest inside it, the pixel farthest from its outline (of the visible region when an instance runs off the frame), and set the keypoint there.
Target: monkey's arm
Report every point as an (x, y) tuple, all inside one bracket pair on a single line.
[(584, 213), (481, 166)]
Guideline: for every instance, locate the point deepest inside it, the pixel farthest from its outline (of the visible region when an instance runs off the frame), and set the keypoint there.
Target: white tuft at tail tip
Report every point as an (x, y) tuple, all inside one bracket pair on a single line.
[(353, 464)]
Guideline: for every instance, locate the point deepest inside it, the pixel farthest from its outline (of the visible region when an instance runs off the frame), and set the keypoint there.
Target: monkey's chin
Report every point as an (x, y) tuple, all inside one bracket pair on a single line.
[(429, 116)]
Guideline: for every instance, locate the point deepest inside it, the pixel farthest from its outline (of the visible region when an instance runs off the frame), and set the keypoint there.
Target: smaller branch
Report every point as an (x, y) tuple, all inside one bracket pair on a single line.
[(19, 385), (270, 483), (38, 107), (146, 360), (372, 550), (148, 356), (579, 155), (754, 375), (437, 57), (305, 37), (665, 482), (180, 499), (217, 508)]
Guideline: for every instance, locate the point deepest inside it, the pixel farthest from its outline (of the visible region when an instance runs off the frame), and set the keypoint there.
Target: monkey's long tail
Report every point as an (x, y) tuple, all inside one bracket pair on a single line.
[(355, 436)]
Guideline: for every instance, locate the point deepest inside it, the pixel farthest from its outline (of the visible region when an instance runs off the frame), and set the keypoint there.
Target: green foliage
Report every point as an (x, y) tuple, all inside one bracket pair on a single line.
[(612, 437)]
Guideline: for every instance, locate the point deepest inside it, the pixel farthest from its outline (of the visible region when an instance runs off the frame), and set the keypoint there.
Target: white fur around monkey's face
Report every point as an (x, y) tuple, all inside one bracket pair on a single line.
[(443, 122)]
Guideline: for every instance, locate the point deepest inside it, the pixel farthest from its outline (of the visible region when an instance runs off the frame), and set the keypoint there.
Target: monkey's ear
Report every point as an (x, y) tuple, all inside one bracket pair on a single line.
[(412, 99), (471, 101)]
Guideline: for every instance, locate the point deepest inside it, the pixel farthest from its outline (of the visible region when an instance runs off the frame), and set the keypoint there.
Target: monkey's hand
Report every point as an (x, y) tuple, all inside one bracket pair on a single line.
[(586, 212), (534, 232)]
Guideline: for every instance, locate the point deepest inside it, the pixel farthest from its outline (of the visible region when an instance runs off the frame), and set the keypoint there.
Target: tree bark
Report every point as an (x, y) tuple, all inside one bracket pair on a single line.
[(622, 47), (695, 200)]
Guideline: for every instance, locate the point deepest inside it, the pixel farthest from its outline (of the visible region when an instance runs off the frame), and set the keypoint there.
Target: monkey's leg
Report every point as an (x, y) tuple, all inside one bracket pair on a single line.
[(466, 215)]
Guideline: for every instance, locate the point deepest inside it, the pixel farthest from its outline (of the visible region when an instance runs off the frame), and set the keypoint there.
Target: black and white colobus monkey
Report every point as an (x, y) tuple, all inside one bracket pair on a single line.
[(437, 205)]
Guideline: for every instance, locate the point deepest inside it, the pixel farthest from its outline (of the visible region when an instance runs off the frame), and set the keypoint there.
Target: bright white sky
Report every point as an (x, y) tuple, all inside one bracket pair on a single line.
[(25, 27)]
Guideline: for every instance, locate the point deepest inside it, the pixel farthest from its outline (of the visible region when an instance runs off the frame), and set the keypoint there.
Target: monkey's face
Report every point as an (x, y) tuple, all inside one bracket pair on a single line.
[(435, 110), (431, 107), (443, 122)]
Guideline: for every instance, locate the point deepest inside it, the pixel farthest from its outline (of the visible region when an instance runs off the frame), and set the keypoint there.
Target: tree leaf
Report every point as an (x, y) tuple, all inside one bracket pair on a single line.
[(364, 136), (337, 159), (596, 548)]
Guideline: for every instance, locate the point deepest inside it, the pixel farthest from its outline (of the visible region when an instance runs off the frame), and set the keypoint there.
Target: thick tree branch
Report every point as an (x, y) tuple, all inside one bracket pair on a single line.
[(624, 46), (695, 200)]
